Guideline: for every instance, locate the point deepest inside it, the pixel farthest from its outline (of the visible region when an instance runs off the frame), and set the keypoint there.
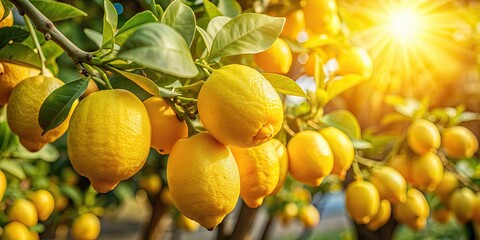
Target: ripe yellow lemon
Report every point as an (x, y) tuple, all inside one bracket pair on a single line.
[(319, 14), (283, 161), (301, 194), (16, 230), (390, 184), (3, 184), (355, 60), (314, 58), (44, 203), (2, 10), (187, 223), (414, 211), (166, 127), (446, 186), (92, 87), (10, 75), (310, 157), (289, 212), (210, 165), (362, 200), (152, 184), (459, 142), (294, 24), (276, 59), (342, 149), (423, 136), (24, 211), (110, 145), (442, 215), (8, 21), (239, 107), (462, 202), (382, 217), (259, 169), (24, 107), (86, 227), (403, 164), (309, 216), (427, 171)]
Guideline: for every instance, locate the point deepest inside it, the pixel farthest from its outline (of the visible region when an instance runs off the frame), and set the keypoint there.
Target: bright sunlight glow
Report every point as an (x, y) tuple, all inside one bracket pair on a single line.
[(405, 24)]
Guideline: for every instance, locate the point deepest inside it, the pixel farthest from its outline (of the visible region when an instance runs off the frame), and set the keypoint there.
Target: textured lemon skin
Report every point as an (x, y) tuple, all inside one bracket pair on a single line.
[(342, 149), (276, 59), (427, 171), (109, 138), (459, 142), (310, 157), (166, 128), (10, 75), (309, 216), (86, 227), (239, 107), (390, 184), (423, 136), (414, 211), (3, 184), (24, 107), (24, 211), (462, 203), (8, 21), (283, 161), (362, 200), (382, 216), (16, 230), (187, 223), (203, 179), (259, 169), (44, 203)]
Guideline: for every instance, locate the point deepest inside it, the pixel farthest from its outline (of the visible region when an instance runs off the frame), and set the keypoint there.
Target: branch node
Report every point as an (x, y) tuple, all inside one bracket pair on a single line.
[(49, 25), (48, 37), (21, 12), (88, 57)]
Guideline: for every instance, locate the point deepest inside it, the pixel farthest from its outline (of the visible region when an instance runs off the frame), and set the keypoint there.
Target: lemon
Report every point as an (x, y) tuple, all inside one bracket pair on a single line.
[(309, 216), (319, 14), (289, 212), (302, 194), (427, 171), (382, 216), (187, 223), (276, 59), (423, 136), (283, 161), (442, 215), (86, 227), (310, 157), (446, 186), (390, 184), (203, 178), (92, 87), (355, 60), (15, 231), (10, 75), (459, 142), (152, 184), (362, 200), (403, 164), (342, 149), (166, 127), (24, 211), (3, 184), (2, 10), (44, 203), (462, 203), (294, 24), (259, 169), (315, 58), (109, 138), (166, 197), (414, 211), (239, 107), (8, 21), (24, 107)]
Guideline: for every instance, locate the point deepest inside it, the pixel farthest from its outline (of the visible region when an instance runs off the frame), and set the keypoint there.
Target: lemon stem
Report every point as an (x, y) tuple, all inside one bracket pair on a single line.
[(368, 162), (183, 115), (104, 76), (356, 170), (205, 66), (33, 33), (190, 86)]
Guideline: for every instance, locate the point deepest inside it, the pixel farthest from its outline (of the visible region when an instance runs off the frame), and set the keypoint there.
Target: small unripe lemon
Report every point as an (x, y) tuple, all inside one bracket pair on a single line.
[(309, 216), (382, 216), (362, 200), (423, 136), (152, 184), (459, 142), (289, 211)]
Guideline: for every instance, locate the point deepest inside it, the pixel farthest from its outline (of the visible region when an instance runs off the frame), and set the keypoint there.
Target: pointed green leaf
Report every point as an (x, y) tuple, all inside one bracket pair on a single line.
[(15, 34), (345, 121), (229, 8), (143, 82), (13, 167), (164, 92), (95, 36), (48, 153), (207, 39), (121, 82), (57, 11), (20, 54), (159, 47), (285, 85), (110, 20), (211, 10), (57, 105), (133, 24), (246, 34), (182, 19), (216, 24), (341, 84)]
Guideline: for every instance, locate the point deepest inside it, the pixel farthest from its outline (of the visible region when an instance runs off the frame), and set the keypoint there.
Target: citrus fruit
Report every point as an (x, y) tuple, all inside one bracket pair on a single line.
[(210, 165), (24, 107), (110, 145), (423, 136), (86, 227), (301, 194), (152, 184), (459, 142), (166, 127), (24, 211), (403, 164), (44, 203), (309, 216), (342, 149), (318, 14), (166, 197), (3, 184), (390, 184), (462, 203), (276, 59), (294, 24), (283, 161), (414, 211), (92, 87), (259, 169), (239, 107), (187, 223), (2, 10), (355, 60), (382, 216), (310, 157), (16, 230), (315, 58), (446, 186), (289, 212), (7, 21), (427, 171), (442, 215), (10, 75), (362, 200)]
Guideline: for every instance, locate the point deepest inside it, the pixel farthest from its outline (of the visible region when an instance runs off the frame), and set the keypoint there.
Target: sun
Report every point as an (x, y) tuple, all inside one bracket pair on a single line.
[(405, 24)]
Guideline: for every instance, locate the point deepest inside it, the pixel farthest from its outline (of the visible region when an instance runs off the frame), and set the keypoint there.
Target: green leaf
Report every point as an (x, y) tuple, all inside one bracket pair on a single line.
[(159, 47), (57, 11), (343, 83), (57, 105), (133, 24), (15, 34), (229, 8), (20, 54), (73, 193), (110, 20), (121, 82), (207, 39), (285, 85), (48, 153), (51, 51), (345, 121), (95, 36), (164, 92), (361, 144), (211, 10), (182, 19), (12, 167), (216, 24), (246, 34), (143, 82), (8, 6)]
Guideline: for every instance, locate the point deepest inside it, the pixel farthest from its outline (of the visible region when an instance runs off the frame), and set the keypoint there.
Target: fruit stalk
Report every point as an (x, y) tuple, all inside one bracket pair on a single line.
[(36, 42)]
